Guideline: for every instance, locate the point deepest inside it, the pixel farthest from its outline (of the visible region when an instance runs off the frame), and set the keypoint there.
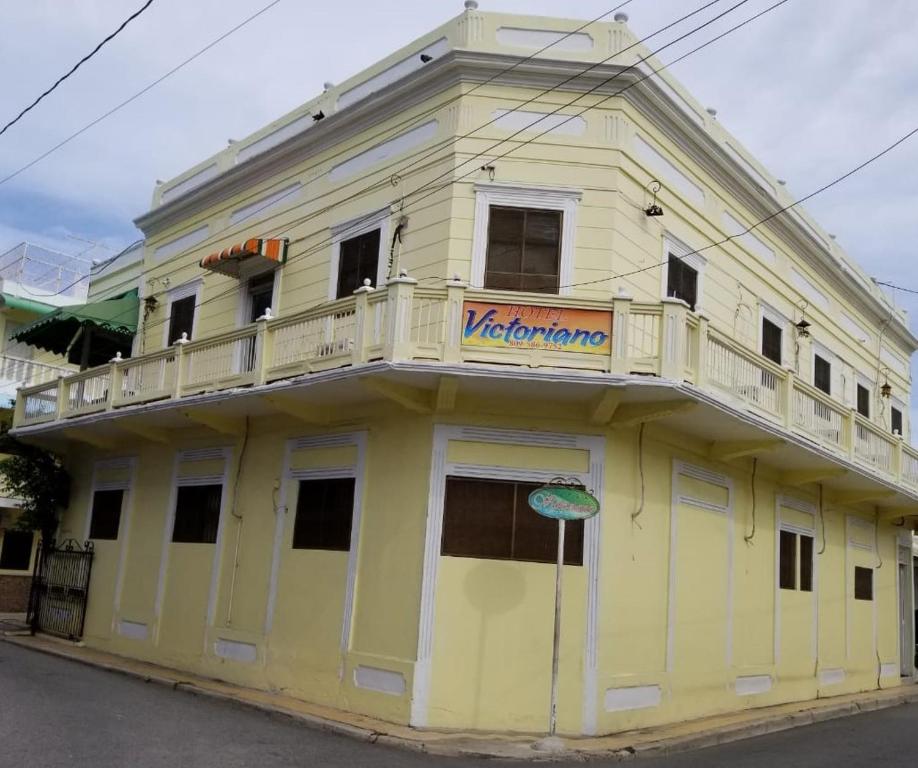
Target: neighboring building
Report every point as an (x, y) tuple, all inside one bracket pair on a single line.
[(329, 498), (34, 281), (117, 275)]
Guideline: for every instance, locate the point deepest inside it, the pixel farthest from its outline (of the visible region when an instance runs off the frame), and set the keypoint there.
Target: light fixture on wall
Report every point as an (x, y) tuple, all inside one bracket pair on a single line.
[(426, 58), (803, 326), (653, 209), (886, 387)]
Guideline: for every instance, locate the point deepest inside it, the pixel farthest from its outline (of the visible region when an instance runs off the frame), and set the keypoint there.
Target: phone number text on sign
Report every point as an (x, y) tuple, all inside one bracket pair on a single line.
[(527, 326)]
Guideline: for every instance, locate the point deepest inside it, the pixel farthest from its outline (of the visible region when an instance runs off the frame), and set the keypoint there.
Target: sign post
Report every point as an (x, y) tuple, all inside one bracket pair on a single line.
[(562, 499)]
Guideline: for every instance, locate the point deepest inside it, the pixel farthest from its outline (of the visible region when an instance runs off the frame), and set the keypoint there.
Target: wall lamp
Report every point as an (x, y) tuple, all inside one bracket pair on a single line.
[(803, 328), (653, 209), (886, 388)]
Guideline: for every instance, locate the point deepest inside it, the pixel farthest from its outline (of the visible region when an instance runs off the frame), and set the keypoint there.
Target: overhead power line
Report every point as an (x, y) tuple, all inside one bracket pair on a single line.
[(139, 93), (75, 67)]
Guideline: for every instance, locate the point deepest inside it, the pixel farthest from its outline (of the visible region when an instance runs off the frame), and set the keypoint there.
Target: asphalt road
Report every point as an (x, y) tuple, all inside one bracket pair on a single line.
[(55, 712)]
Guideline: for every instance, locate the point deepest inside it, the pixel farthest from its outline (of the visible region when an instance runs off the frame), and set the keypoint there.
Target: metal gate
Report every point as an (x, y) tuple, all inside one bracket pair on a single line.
[(60, 587)]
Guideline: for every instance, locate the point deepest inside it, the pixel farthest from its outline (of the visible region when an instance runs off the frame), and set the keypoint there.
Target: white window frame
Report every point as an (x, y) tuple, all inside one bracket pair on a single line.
[(564, 199), (355, 227), (832, 360), (672, 245), (191, 288), (860, 379), (767, 312), (244, 304)]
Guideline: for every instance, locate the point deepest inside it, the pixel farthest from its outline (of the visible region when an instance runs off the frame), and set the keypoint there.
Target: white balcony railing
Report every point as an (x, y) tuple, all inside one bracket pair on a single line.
[(404, 322)]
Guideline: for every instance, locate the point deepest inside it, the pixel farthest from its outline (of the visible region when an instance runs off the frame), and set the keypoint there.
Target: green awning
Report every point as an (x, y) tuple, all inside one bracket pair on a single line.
[(111, 324), (29, 305)]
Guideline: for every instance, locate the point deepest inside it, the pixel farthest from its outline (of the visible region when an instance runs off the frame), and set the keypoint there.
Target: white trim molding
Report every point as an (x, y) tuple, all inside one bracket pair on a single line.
[(686, 254), (355, 227), (562, 199), (289, 475), (684, 469), (440, 468), (191, 288)]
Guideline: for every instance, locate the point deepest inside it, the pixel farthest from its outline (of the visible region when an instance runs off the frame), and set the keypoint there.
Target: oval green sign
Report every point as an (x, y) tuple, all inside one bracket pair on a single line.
[(563, 503)]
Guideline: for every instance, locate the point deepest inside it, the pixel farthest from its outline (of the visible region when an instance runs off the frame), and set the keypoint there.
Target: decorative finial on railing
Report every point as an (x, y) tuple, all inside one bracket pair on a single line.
[(403, 273), (266, 316), (183, 339), (471, 5), (116, 358)]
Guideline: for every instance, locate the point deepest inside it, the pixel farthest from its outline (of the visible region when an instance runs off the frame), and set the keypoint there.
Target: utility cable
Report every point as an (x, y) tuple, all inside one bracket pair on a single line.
[(630, 85), (75, 67), (748, 539), (139, 93), (637, 513)]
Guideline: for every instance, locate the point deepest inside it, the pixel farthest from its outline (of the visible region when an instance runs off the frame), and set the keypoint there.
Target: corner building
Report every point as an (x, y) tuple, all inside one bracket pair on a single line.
[(312, 474)]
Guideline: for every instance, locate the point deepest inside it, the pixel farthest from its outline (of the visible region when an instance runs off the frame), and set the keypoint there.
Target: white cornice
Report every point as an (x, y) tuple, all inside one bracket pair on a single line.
[(474, 67)]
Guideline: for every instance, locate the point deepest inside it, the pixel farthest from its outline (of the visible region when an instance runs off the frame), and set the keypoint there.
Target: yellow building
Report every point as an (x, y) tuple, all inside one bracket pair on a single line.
[(371, 328)]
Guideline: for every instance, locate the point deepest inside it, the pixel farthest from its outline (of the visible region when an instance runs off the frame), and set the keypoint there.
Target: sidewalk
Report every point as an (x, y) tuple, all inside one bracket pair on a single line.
[(654, 741)]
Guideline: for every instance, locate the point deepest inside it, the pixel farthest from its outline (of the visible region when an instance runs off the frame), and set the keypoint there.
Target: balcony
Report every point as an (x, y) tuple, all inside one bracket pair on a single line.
[(28, 373), (662, 342)]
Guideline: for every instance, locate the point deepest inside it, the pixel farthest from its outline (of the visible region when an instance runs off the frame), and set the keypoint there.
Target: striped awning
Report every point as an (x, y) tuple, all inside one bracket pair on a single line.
[(247, 256)]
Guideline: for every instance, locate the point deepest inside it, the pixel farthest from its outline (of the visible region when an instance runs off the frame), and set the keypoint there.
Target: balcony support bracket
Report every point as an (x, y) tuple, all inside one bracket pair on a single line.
[(603, 408), (146, 431), (293, 406), (411, 398), (861, 496), (102, 442), (798, 477), (447, 388), (630, 414), (225, 425), (729, 450)]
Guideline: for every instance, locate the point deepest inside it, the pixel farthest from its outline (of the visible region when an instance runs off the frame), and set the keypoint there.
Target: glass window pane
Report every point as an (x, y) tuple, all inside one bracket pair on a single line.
[(895, 421), (197, 514), (358, 259), (806, 563), (822, 374), (478, 518), (324, 512), (771, 341), (863, 583), (788, 560), (106, 514)]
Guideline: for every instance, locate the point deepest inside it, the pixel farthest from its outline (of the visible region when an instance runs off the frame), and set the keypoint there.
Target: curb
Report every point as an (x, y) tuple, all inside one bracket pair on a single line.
[(482, 746)]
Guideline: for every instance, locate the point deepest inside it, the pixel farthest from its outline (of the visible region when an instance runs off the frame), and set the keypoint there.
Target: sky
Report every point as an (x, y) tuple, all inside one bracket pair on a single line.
[(812, 89)]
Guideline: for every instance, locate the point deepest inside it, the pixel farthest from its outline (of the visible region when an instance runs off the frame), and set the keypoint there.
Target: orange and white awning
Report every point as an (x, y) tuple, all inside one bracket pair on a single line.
[(248, 256)]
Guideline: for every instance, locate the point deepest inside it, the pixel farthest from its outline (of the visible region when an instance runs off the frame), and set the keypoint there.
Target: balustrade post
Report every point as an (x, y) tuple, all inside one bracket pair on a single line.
[(896, 459), (790, 379), (179, 345), (62, 397), (114, 381), (850, 445), (361, 323), (701, 351), (262, 349), (621, 328), (19, 409), (455, 296), (398, 320), (672, 339)]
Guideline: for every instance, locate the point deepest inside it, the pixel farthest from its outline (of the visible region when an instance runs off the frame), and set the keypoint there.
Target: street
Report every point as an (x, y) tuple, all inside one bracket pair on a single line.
[(55, 712)]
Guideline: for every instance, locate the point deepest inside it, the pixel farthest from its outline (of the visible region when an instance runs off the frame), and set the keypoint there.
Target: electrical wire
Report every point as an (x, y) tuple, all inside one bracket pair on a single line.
[(139, 93), (653, 72), (822, 520), (637, 513), (748, 539), (75, 67)]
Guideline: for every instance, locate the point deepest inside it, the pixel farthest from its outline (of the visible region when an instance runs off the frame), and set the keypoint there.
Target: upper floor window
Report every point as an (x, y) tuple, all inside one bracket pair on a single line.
[(358, 259), (523, 238), (772, 335), (182, 310), (681, 281), (895, 421), (524, 250), (863, 401), (259, 294), (822, 374)]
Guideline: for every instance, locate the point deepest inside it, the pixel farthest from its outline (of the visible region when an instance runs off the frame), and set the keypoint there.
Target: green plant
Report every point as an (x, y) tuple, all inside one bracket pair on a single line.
[(37, 477)]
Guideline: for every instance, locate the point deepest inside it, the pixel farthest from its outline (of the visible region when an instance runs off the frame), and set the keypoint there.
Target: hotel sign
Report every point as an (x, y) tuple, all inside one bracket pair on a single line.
[(527, 326)]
